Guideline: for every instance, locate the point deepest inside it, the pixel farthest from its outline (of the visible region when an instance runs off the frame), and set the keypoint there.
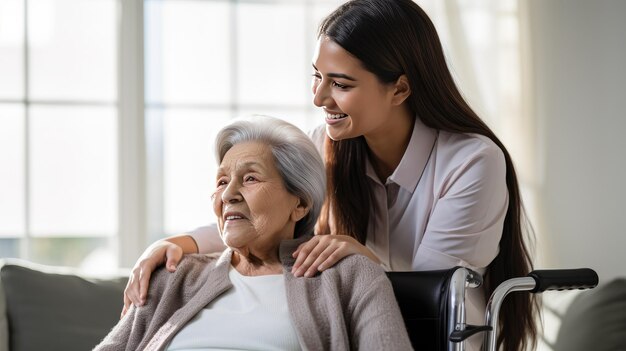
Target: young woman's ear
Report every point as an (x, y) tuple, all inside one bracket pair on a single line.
[(299, 211), (402, 90)]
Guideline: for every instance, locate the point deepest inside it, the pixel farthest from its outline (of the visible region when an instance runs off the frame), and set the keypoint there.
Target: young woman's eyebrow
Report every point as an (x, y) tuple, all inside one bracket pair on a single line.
[(337, 75)]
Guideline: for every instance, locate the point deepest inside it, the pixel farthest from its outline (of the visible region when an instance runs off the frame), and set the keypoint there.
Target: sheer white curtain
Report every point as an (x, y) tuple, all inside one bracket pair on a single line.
[(485, 47)]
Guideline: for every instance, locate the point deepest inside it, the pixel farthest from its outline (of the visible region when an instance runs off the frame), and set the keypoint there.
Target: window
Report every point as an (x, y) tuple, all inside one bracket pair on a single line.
[(58, 129), (108, 110), (206, 63)]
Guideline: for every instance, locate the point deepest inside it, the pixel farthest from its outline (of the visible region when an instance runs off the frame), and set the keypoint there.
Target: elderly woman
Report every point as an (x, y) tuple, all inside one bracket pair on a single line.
[(269, 191)]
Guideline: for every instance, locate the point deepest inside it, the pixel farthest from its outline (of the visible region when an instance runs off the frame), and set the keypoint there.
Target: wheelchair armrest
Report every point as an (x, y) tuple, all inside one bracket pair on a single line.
[(423, 300), (432, 304)]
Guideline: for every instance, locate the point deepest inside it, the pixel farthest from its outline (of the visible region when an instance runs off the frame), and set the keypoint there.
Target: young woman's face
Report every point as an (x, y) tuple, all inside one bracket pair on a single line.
[(253, 208), (355, 102)]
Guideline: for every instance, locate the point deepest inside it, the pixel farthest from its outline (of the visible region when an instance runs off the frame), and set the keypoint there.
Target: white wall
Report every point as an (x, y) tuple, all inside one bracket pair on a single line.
[(579, 91)]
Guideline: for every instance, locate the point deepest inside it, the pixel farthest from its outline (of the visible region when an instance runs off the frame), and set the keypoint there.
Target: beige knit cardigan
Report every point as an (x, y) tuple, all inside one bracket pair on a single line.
[(348, 306)]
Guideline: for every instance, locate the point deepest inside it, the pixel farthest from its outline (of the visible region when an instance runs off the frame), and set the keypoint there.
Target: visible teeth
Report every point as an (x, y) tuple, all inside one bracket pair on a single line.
[(233, 217), (337, 116)]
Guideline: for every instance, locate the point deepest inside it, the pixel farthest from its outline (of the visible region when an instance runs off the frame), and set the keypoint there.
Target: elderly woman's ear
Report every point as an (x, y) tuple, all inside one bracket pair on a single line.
[(299, 211)]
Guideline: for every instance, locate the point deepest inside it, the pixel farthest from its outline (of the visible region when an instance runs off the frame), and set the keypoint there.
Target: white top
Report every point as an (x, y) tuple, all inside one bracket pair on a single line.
[(253, 315), (443, 206)]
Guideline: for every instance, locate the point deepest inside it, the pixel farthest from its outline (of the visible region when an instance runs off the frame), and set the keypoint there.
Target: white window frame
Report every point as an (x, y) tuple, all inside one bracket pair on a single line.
[(132, 188)]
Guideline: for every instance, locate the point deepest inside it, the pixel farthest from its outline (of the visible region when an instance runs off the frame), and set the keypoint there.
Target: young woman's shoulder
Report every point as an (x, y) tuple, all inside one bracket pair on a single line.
[(457, 149), (466, 143), (318, 135)]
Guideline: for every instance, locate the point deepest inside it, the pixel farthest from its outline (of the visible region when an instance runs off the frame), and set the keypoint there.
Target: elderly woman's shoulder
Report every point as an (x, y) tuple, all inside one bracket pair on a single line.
[(189, 273), (197, 262), (354, 276), (359, 266), (192, 264)]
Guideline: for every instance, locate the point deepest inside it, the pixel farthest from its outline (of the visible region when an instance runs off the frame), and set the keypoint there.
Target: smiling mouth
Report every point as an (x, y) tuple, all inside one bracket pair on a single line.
[(231, 218), (335, 116)]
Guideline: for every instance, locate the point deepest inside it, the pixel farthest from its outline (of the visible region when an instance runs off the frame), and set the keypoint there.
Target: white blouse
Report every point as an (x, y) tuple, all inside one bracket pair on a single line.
[(252, 315)]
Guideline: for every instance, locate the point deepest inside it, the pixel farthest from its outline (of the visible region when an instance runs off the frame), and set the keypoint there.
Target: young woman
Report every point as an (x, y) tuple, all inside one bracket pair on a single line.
[(416, 180)]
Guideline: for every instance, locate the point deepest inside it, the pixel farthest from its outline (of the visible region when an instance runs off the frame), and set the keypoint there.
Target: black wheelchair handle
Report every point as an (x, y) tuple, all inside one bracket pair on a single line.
[(564, 279)]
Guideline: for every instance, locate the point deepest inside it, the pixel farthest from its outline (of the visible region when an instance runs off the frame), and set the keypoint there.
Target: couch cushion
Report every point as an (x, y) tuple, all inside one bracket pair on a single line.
[(49, 310)]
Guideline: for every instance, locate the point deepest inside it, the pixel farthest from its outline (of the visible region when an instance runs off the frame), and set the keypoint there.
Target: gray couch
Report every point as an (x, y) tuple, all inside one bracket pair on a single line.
[(53, 308), (595, 320)]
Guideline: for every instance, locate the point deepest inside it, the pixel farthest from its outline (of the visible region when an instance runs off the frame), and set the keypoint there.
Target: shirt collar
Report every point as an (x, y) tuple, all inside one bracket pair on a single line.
[(408, 173)]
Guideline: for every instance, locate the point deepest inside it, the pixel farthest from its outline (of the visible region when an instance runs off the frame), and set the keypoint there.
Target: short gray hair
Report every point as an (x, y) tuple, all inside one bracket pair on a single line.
[(297, 159)]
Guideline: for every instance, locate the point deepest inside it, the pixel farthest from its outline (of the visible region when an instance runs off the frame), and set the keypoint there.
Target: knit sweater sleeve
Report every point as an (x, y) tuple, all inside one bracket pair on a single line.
[(130, 330), (119, 338), (376, 322)]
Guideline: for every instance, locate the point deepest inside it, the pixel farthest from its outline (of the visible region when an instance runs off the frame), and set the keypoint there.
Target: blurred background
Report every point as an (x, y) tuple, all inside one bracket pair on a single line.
[(108, 110)]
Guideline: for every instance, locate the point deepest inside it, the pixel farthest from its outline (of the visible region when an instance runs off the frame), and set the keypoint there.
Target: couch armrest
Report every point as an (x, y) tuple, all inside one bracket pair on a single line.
[(4, 324), (53, 308)]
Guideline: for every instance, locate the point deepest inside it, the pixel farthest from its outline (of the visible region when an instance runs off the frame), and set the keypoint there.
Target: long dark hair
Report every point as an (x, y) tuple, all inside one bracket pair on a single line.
[(393, 38)]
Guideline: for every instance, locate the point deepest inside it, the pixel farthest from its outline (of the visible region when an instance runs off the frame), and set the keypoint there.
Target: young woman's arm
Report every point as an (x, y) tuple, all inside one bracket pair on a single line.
[(466, 222)]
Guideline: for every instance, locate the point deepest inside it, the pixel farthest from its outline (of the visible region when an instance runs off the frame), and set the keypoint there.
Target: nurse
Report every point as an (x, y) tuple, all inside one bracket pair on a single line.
[(416, 180)]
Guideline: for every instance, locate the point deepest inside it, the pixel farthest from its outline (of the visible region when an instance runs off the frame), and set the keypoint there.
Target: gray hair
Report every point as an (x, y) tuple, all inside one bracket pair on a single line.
[(297, 159)]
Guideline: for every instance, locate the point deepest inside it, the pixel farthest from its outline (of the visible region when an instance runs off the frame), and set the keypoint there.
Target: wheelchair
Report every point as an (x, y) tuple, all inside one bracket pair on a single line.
[(433, 302)]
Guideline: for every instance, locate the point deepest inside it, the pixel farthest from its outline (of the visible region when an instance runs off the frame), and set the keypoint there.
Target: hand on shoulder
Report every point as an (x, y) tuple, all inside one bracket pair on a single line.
[(324, 251)]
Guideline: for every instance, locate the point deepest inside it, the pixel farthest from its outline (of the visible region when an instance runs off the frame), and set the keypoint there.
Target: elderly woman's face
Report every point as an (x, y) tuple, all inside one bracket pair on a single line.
[(253, 208)]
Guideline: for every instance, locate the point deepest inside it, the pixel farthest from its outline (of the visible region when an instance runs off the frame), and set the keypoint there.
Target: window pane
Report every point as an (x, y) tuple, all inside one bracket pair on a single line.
[(11, 170), (297, 117), (321, 9), (9, 247), (12, 49), (93, 255), (73, 168), (189, 165), (272, 63), (73, 49), (187, 51)]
